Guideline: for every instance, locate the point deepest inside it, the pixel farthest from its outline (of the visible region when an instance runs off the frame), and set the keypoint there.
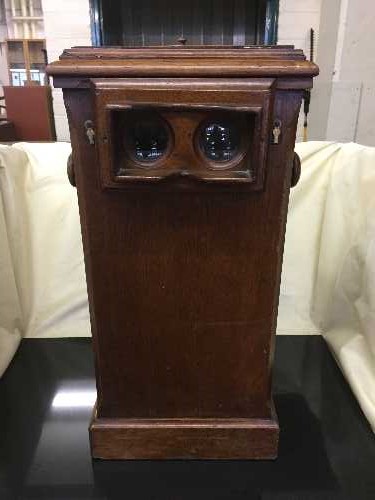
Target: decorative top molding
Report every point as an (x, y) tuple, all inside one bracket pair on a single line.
[(177, 61), (179, 51)]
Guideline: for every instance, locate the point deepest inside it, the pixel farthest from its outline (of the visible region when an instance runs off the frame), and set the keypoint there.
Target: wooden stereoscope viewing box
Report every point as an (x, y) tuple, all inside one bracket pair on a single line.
[(183, 158)]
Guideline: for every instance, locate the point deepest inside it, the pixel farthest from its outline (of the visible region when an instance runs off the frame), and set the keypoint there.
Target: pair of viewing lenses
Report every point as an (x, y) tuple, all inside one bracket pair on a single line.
[(149, 140)]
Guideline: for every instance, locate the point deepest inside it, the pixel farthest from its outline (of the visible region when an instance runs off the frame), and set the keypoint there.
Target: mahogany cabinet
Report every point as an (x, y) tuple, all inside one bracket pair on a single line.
[(183, 160)]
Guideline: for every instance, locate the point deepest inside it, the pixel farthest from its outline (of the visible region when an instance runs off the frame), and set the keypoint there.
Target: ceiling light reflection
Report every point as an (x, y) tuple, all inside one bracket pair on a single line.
[(74, 399)]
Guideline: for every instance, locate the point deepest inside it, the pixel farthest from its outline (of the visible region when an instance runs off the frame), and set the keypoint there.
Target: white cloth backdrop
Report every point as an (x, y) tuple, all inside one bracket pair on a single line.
[(328, 282)]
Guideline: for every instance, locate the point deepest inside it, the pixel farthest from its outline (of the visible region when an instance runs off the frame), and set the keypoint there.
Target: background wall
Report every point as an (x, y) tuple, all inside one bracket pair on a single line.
[(343, 103), (4, 74), (18, 20), (296, 18), (66, 23)]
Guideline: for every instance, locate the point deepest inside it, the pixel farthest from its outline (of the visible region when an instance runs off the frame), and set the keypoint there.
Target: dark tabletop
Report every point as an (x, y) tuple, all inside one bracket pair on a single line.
[(327, 449)]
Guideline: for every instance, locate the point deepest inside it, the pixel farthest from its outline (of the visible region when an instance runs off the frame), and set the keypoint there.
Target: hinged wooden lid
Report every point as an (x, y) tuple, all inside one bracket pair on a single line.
[(181, 61)]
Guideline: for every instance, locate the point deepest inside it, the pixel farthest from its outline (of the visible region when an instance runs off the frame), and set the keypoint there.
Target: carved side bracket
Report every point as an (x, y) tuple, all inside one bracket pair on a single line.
[(70, 171), (296, 170)]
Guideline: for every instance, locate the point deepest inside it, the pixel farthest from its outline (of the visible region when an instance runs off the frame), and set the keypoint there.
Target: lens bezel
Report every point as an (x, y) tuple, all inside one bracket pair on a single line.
[(129, 143), (228, 120)]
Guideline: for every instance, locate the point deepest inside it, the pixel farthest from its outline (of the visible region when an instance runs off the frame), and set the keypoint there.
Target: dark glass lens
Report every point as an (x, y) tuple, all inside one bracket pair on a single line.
[(219, 141), (149, 140)]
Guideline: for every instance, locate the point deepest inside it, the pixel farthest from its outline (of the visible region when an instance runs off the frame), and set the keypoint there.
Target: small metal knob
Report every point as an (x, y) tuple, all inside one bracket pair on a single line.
[(276, 132), (90, 132)]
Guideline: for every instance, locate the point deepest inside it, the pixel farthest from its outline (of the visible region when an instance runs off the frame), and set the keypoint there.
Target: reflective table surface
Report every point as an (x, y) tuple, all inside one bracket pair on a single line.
[(327, 450)]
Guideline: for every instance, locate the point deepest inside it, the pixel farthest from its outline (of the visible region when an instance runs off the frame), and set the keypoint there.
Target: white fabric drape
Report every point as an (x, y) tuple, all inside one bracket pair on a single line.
[(329, 261), (328, 281), (44, 240)]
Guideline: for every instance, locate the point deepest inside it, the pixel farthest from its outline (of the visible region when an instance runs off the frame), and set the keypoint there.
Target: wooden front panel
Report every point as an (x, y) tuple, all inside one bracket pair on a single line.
[(184, 106), (183, 283)]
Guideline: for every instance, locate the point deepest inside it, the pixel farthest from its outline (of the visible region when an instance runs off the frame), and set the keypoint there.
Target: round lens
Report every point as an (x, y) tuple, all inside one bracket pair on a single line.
[(219, 141), (149, 140)]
